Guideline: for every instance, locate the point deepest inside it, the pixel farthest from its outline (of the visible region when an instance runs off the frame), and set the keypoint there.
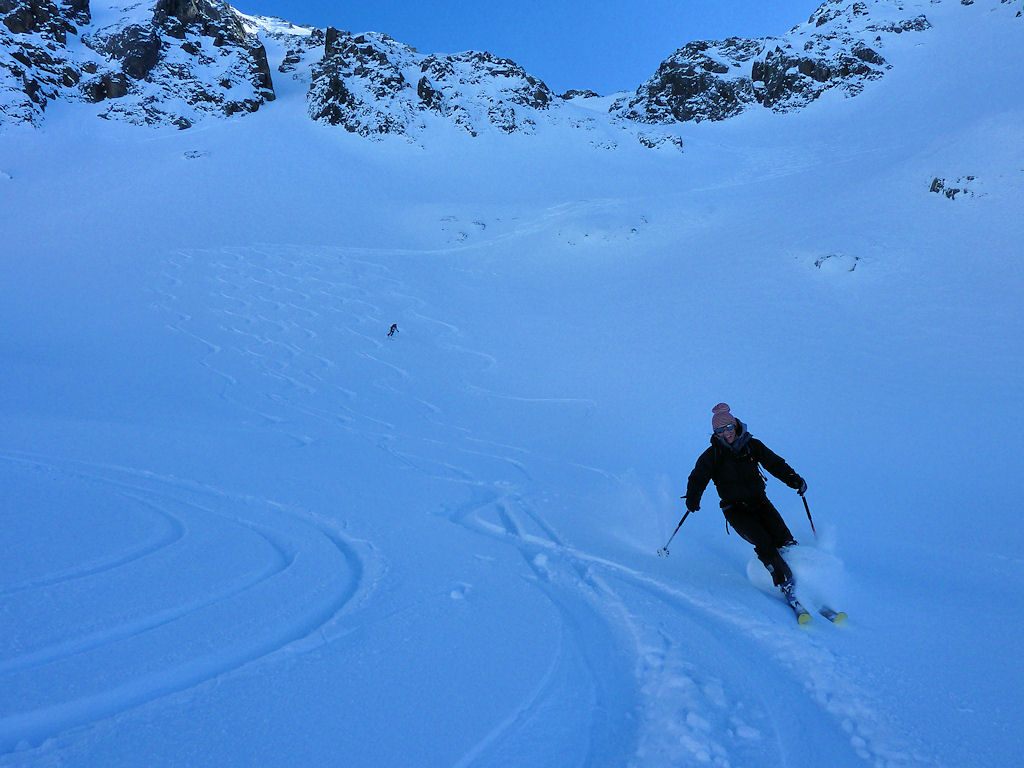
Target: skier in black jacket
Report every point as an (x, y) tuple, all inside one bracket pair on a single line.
[(733, 461)]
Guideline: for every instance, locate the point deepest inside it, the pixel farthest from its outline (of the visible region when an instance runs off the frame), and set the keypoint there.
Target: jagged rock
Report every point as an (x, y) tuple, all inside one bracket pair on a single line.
[(35, 66), (578, 94), (79, 10), (470, 86), (701, 81), (838, 48), (298, 51), (176, 61), (210, 18), (185, 11), (218, 67), (373, 85), (785, 79), (137, 48), (917, 24), (963, 185), (39, 16), (109, 85), (654, 141), (360, 84)]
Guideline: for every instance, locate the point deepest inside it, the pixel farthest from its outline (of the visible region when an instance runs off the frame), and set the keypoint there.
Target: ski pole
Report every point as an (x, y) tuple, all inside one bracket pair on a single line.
[(663, 552), (804, 499)]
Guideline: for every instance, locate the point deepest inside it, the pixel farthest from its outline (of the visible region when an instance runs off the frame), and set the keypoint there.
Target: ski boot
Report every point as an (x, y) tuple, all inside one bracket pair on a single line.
[(802, 614)]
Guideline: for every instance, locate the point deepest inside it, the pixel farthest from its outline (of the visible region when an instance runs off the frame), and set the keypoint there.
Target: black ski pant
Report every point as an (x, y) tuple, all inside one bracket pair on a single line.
[(760, 523)]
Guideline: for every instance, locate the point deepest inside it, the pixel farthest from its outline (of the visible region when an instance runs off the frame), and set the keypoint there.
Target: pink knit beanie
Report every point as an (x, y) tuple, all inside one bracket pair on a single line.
[(722, 416)]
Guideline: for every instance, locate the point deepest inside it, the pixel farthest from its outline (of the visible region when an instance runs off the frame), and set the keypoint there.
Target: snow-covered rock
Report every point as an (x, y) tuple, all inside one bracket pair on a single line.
[(839, 47), (35, 65), (701, 81), (361, 84), (475, 89), (177, 61), (372, 85), (303, 45), (575, 93), (182, 59), (166, 63), (964, 185)]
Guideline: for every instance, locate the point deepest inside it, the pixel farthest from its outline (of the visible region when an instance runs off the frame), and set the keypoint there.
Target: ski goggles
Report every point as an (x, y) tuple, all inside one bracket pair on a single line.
[(726, 428)]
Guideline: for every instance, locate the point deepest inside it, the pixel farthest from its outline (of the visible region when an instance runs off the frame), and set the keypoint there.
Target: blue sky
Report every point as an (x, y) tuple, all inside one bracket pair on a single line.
[(601, 45)]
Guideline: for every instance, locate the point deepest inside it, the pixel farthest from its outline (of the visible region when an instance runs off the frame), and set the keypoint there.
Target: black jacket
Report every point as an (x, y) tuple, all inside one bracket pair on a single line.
[(736, 470)]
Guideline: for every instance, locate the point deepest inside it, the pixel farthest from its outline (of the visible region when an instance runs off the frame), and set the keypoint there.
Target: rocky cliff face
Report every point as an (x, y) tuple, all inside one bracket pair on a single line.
[(166, 63), (182, 59), (35, 66), (840, 47), (177, 61), (372, 85), (701, 81)]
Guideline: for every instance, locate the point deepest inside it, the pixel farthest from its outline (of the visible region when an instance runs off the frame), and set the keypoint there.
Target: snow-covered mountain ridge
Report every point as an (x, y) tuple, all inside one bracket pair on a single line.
[(178, 61), (371, 84), (171, 62), (839, 47)]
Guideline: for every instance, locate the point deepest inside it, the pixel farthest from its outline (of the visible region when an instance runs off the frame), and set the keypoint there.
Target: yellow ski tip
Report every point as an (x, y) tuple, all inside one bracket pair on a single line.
[(804, 618), (840, 618)]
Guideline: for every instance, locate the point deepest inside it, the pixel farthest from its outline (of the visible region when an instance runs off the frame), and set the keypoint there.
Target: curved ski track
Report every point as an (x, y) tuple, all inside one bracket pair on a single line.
[(698, 686), (674, 677), (263, 603)]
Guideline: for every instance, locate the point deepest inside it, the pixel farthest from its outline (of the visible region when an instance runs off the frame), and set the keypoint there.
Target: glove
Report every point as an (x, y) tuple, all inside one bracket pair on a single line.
[(803, 486)]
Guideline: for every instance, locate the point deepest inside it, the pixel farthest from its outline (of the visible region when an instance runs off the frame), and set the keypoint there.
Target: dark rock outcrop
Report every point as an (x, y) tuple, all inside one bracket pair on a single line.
[(176, 61), (839, 47), (786, 79), (373, 85), (109, 85), (172, 64), (574, 93), (138, 48), (37, 67), (701, 81), (301, 47), (44, 17), (198, 50), (963, 185), (360, 84)]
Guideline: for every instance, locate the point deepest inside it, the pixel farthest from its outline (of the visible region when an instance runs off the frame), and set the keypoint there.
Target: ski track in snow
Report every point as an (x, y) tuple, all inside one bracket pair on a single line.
[(306, 323), (167, 531), (681, 705), (158, 586), (266, 605)]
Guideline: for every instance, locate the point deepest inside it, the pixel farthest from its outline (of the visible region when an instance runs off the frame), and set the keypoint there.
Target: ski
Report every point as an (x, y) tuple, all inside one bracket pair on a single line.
[(802, 614), (836, 617)]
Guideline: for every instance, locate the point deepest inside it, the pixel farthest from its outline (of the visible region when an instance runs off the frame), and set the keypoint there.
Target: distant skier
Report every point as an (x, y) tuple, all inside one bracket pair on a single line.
[(393, 331), (733, 461)]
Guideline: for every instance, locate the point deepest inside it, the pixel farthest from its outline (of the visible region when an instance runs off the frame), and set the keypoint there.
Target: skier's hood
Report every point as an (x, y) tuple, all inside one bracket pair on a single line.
[(739, 444)]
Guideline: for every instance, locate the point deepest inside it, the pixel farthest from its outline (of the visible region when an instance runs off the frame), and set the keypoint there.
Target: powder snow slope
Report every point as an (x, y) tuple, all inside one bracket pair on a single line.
[(243, 526)]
